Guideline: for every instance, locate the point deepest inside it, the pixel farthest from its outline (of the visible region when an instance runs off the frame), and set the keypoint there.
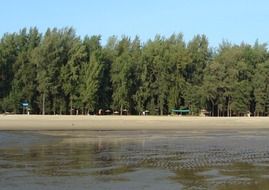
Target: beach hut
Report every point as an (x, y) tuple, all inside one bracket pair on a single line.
[(108, 112), (124, 112), (25, 107), (100, 112), (181, 111), (116, 113), (146, 112), (204, 113)]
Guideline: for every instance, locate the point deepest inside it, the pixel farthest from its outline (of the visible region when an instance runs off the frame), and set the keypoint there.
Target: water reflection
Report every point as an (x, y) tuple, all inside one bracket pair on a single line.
[(179, 160)]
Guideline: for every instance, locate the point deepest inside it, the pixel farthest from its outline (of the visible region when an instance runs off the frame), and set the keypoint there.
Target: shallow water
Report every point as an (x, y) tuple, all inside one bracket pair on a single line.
[(183, 159)]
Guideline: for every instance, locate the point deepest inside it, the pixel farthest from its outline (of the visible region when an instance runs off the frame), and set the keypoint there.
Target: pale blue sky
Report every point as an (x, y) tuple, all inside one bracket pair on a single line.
[(232, 20)]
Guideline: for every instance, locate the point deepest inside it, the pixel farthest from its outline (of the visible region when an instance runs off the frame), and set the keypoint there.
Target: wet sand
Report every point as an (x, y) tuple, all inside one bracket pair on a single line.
[(49, 122), (133, 152), (174, 159)]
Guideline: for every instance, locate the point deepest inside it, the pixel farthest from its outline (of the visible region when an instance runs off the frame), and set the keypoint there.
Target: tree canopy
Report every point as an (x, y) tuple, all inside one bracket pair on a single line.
[(58, 72)]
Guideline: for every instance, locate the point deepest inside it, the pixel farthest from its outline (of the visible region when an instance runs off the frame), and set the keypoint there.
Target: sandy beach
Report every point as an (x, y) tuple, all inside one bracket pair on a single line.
[(49, 122)]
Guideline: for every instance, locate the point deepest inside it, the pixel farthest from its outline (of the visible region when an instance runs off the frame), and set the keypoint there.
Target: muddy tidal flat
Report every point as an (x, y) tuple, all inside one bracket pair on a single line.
[(139, 159)]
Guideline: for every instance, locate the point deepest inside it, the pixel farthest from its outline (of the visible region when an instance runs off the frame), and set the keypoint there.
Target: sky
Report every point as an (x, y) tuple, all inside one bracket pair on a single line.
[(231, 20)]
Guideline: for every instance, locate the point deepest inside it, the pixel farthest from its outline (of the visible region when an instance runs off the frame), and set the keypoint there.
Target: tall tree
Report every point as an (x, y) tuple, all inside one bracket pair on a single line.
[(49, 58), (9, 52), (90, 84), (24, 81), (120, 76), (71, 71)]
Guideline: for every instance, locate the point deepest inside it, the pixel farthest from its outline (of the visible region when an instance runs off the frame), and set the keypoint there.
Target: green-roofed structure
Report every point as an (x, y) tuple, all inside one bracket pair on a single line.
[(181, 111)]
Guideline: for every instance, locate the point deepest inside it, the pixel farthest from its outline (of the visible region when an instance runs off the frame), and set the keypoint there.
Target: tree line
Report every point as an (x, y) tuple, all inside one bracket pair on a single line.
[(58, 72)]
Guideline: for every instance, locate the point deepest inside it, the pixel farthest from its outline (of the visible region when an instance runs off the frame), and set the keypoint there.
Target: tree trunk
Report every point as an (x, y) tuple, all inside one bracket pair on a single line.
[(71, 106), (228, 109), (212, 114), (54, 109), (43, 104), (54, 106), (121, 107)]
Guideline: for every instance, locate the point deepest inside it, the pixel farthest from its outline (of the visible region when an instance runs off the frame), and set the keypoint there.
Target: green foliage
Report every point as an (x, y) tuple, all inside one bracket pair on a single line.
[(121, 76), (58, 73), (90, 84)]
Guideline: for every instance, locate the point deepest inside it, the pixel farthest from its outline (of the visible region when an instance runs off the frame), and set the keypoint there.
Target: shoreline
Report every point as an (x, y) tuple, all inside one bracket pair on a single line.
[(121, 123)]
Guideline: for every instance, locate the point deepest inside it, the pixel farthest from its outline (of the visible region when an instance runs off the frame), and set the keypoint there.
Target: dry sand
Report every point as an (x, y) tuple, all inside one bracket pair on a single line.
[(49, 122)]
